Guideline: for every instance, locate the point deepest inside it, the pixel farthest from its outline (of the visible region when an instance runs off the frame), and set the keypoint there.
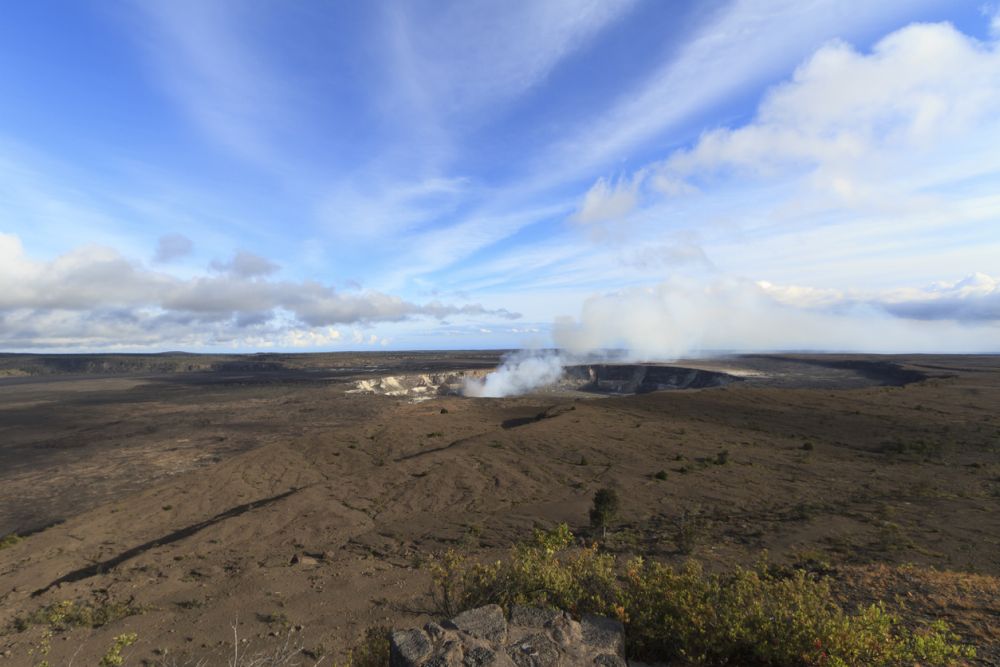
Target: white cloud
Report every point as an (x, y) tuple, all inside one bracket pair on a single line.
[(669, 254), (229, 89), (734, 49), (864, 167), (608, 201), (919, 87), (173, 246), (680, 318), (462, 57), (992, 13), (95, 297), (246, 265), (975, 298)]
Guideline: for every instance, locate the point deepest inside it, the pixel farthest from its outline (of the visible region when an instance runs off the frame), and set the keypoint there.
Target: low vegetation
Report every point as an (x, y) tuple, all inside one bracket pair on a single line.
[(114, 657), (67, 614), (9, 540), (762, 616), (604, 510), (372, 651)]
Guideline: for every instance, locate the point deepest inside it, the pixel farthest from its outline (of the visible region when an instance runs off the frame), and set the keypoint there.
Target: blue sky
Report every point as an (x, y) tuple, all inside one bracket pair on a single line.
[(670, 177)]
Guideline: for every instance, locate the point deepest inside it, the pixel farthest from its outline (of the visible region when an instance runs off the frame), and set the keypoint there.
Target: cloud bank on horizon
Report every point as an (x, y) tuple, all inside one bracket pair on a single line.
[(669, 178)]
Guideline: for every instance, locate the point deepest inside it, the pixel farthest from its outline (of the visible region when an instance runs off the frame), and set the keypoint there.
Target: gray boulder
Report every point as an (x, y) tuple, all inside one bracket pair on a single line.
[(532, 637)]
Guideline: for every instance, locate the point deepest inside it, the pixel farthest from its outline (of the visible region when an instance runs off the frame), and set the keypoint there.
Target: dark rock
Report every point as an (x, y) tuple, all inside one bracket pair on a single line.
[(532, 617), (408, 648), (565, 631), (485, 623), (533, 638), (604, 633), (434, 631), (534, 651), (479, 656)]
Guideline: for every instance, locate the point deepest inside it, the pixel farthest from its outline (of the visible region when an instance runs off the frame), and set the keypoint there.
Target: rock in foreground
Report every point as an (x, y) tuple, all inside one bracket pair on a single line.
[(531, 638)]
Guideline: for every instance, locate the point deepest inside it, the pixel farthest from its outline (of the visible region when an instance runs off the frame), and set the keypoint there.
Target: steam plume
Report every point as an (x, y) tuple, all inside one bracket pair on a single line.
[(519, 372)]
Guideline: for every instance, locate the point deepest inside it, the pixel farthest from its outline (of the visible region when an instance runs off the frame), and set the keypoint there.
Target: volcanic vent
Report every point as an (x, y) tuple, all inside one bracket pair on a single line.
[(586, 378), (641, 378)]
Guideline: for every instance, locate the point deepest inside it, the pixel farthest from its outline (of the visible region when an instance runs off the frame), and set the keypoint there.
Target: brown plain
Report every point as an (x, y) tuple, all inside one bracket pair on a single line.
[(259, 491)]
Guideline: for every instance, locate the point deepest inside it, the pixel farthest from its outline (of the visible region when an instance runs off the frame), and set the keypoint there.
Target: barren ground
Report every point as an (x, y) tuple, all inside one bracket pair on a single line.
[(258, 491)]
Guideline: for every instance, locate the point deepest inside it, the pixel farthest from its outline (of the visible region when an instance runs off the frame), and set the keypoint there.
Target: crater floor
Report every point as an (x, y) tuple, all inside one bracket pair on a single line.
[(274, 497)]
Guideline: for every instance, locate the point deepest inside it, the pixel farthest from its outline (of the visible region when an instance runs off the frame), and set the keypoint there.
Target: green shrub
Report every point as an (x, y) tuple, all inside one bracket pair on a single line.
[(68, 614), (605, 509), (689, 529), (9, 540), (541, 572), (372, 651), (757, 616), (114, 658)]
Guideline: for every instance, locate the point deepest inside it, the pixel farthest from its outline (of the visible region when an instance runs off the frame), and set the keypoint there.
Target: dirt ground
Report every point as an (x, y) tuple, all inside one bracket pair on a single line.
[(261, 494)]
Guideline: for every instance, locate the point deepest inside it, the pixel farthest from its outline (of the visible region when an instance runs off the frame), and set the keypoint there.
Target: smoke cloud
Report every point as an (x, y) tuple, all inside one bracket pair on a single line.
[(519, 373), (678, 319), (686, 318)]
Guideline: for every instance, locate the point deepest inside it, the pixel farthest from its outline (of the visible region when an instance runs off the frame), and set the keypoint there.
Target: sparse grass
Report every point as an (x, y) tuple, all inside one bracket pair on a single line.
[(66, 614), (761, 616), (278, 619), (372, 650), (193, 603), (689, 530), (9, 540), (891, 536), (921, 449), (114, 657), (287, 651)]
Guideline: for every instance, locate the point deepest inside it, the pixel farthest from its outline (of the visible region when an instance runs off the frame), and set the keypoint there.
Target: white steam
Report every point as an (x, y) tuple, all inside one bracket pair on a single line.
[(519, 373), (678, 318)]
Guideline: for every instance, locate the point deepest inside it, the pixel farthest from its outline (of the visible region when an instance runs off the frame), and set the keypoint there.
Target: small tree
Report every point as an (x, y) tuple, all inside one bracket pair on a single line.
[(605, 509)]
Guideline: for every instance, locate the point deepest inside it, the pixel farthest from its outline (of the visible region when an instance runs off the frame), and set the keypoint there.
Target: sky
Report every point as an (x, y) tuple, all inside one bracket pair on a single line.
[(670, 178)]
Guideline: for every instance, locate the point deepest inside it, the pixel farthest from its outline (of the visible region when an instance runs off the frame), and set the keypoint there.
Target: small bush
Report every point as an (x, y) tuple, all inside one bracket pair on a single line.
[(373, 651), (758, 616), (661, 475), (68, 614), (722, 458), (605, 509), (541, 572), (9, 540), (689, 529), (114, 658)]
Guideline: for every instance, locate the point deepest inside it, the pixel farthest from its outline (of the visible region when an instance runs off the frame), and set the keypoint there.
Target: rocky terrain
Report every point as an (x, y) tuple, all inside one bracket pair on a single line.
[(254, 501), (533, 637)]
